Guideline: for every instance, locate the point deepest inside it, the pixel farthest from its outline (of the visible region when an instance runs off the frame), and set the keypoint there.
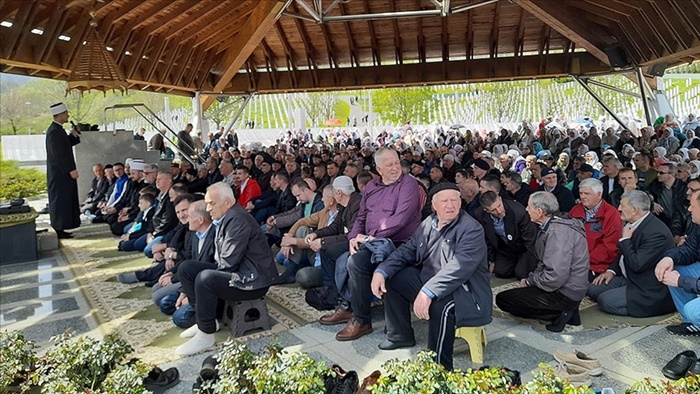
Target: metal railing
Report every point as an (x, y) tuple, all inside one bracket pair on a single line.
[(195, 158)]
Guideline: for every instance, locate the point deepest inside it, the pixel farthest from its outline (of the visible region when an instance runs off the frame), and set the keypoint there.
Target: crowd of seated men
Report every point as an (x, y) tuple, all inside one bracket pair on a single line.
[(422, 219)]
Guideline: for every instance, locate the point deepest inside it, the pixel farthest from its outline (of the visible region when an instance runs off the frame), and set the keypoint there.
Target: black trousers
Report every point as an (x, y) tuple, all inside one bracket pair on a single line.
[(508, 265), (360, 270), (329, 255), (534, 303), (151, 273), (204, 286), (402, 290)]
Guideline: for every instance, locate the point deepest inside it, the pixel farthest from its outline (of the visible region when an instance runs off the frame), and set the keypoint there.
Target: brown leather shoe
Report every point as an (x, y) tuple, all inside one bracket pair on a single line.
[(353, 330), (340, 315)]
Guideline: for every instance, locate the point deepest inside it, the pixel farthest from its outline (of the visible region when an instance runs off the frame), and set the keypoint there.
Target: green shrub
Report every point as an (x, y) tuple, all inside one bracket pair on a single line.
[(20, 182)]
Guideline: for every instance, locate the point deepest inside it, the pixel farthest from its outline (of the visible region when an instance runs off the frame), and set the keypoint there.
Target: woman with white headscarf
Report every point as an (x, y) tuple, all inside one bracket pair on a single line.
[(692, 123), (691, 140), (694, 167), (592, 160), (683, 153)]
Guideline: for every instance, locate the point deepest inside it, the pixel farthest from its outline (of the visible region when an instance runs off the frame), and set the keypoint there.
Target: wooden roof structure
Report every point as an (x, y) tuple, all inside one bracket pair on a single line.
[(238, 46)]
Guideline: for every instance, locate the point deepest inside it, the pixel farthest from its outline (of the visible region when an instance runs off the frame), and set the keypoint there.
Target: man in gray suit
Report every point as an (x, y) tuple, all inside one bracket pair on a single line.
[(244, 270)]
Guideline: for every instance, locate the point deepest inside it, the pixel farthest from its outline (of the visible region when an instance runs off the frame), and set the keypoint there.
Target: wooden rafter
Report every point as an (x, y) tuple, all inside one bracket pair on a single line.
[(309, 50), (519, 45), (270, 61), (682, 39), (132, 7), (195, 68), (666, 42), (225, 23), (182, 65), (154, 58), (398, 42), (256, 26), (164, 24), (77, 40), (169, 61), (639, 43), (493, 47), (25, 30), (137, 56), (563, 20), (685, 18), (197, 18), (205, 71), (12, 38), (376, 56), (53, 26), (288, 53)]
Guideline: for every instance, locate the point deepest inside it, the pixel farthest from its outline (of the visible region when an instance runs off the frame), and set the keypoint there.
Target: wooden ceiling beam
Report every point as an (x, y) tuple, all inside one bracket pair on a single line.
[(154, 58), (224, 24), (664, 39), (270, 61), (674, 57), (81, 29), (519, 45), (597, 10), (398, 41), (288, 53), (256, 26), (155, 10), (633, 39), (21, 25), (132, 6), (224, 40), (686, 19), (682, 39), (137, 55), (182, 65), (169, 62), (197, 18), (332, 61), (165, 23), (354, 61), (309, 50), (376, 56), (420, 37), (387, 76), (53, 27), (194, 68), (205, 72), (563, 19), (493, 44)]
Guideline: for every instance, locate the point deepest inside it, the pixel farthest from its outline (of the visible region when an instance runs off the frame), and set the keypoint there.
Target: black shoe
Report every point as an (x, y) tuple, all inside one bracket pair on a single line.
[(44, 211), (560, 322), (684, 329), (679, 365), (389, 345), (694, 369), (63, 235), (575, 319)]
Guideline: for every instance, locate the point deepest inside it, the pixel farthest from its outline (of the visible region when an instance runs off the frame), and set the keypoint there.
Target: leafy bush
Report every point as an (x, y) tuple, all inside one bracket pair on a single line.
[(18, 358), (20, 182), (689, 385), (272, 372)]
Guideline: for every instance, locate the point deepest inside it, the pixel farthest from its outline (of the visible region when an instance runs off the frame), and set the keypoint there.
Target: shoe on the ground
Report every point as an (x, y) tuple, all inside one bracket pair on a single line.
[(389, 345), (684, 329), (127, 278), (340, 315), (575, 319), (678, 366), (200, 342), (576, 375), (353, 330), (560, 322), (579, 359), (192, 331), (694, 369), (63, 235), (159, 381)]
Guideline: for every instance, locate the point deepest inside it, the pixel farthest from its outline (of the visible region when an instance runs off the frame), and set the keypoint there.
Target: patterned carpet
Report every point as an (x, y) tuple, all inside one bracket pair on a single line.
[(128, 309)]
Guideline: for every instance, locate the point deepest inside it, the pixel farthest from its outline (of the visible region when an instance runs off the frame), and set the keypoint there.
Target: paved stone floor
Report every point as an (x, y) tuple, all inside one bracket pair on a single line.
[(42, 299)]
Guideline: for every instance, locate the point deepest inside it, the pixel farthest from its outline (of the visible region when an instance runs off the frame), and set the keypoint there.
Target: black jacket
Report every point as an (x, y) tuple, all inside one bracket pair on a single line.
[(214, 177), (608, 192), (646, 296), (198, 185), (98, 191), (523, 195), (337, 231), (191, 252), (678, 191), (164, 218), (521, 233), (452, 261), (241, 249), (564, 196)]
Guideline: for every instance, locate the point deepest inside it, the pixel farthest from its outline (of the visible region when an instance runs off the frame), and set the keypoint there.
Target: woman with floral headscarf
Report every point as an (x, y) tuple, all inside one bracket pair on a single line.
[(646, 141)]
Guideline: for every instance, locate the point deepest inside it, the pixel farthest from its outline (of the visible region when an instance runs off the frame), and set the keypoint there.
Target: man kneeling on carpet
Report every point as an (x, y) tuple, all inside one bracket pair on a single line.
[(554, 291), (245, 269), (443, 271), (680, 271)]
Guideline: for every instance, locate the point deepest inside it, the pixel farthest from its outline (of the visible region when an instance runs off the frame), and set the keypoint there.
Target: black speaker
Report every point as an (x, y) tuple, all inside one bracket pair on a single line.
[(616, 56), (658, 70)]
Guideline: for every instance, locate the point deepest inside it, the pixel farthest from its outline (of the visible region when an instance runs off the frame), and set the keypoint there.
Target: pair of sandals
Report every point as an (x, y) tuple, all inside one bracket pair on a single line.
[(158, 381)]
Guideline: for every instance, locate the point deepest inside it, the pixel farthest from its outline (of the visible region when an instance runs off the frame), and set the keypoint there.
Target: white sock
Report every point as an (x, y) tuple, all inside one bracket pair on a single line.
[(198, 343)]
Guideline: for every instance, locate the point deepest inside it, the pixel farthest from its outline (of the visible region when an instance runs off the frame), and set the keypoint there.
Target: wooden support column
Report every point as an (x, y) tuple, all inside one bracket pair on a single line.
[(258, 24)]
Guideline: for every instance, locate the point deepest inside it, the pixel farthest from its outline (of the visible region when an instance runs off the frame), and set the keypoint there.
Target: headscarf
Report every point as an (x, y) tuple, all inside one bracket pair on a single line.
[(696, 174), (628, 150), (584, 149), (683, 153), (594, 162), (661, 151), (538, 148)]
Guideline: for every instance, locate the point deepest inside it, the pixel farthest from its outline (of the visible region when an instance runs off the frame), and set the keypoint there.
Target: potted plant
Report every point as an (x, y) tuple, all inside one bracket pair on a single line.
[(18, 360)]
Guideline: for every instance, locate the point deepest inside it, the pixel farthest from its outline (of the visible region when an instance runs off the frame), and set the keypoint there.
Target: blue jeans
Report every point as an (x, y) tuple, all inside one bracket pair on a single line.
[(688, 304), (167, 303), (184, 317), (148, 250)]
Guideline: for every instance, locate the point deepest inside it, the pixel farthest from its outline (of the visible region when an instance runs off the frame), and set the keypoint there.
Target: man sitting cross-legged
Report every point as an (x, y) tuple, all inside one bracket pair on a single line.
[(443, 271), (244, 270), (680, 270), (629, 287), (554, 291)]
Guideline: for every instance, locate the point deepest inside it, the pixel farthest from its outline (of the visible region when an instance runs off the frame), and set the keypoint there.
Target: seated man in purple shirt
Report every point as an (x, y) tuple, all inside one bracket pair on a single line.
[(390, 209)]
